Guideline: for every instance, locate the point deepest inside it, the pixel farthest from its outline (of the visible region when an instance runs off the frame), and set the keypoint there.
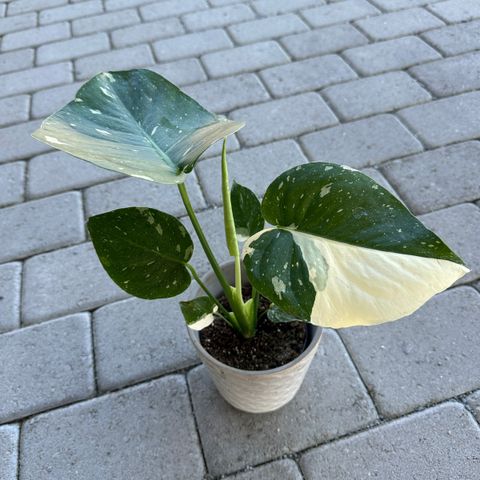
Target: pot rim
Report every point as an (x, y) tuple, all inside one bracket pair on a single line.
[(195, 337)]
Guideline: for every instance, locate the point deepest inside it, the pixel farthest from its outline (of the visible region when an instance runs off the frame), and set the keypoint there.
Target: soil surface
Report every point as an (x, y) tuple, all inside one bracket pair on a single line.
[(273, 345)]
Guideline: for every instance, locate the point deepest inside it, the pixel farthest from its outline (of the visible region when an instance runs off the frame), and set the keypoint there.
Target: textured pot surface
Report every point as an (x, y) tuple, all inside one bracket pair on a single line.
[(255, 391)]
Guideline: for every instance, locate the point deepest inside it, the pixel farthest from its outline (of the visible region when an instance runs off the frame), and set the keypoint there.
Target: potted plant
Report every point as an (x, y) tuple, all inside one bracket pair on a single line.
[(338, 250)]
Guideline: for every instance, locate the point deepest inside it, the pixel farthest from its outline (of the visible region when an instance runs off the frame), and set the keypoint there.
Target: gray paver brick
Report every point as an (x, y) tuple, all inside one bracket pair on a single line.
[(397, 24), (57, 172), (425, 358), (41, 225), (447, 224), (275, 7), (428, 182), (447, 120), (442, 441), (455, 39), (378, 94), (14, 109), (45, 102), (362, 143), (112, 5), (22, 6), (106, 21), (229, 93), (182, 72), (267, 161), (143, 33), (285, 469), (171, 8), (244, 59), (17, 22), (70, 12), (324, 40), (17, 60), (33, 37), (126, 58), (304, 75), (73, 48), (267, 28), (392, 5), (136, 340), (339, 12), (473, 401), (453, 11), (342, 406), (191, 45), (123, 436), (45, 366), (217, 17), (283, 118), (450, 76), (10, 296), (12, 181), (8, 452), (390, 55)]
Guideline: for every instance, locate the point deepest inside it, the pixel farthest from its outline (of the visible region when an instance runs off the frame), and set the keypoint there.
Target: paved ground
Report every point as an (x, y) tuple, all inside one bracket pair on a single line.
[(97, 386)]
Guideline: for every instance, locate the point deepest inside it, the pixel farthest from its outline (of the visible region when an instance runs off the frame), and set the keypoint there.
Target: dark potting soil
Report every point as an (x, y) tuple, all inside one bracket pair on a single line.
[(273, 345)]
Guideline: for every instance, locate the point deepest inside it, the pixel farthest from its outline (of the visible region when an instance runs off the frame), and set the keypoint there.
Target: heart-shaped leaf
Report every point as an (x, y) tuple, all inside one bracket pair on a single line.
[(344, 250), (247, 212), (144, 251), (199, 312), (135, 122)]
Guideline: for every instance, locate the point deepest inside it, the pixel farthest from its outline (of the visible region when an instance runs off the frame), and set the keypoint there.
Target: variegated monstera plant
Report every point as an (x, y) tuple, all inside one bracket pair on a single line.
[(339, 249)]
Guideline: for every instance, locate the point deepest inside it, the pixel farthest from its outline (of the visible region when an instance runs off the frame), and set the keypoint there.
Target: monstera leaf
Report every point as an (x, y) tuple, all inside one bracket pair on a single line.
[(135, 122), (199, 312), (344, 251)]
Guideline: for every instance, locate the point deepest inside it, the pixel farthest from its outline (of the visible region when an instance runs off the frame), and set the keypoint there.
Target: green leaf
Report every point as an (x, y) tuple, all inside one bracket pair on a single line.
[(135, 122), (344, 250), (276, 315), (144, 251), (247, 212), (199, 312)]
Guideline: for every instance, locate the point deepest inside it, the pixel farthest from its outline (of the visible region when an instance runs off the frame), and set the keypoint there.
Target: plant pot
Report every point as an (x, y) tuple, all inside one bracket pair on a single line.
[(258, 391)]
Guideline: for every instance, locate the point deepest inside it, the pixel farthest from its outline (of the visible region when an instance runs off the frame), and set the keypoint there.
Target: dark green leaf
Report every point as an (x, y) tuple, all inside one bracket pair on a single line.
[(199, 312), (276, 315), (247, 212)]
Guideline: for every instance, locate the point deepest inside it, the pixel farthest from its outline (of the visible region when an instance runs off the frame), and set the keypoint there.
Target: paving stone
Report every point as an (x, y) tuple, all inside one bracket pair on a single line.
[(123, 59), (424, 358), (143, 33), (45, 102), (324, 40), (73, 48), (275, 7), (229, 93), (18, 22), (339, 12), (70, 12), (390, 55), (3, 9), (106, 21), (244, 59), (45, 366), (441, 441), (171, 8), (397, 24), (438, 178), (33, 37), (129, 192), (10, 297), (267, 28), (65, 281), (448, 223), (455, 39), (8, 452), (361, 143), (23, 6), (392, 5), (285, 469), (453, 11), (193, 44), (17, 60), (41, 225), (378, 94), (342, 406), (57, 172), (182, 72), (12, 181), (445, 121), (473, 401), (118, 436), (450, 76), (14, 109), (218, 17), (254, 168), (304, 75), (16, 142), (111, 5), (283, 118), (137, 339)]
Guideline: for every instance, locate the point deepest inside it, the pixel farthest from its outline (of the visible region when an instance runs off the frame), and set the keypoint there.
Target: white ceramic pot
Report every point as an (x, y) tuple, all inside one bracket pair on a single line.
[(255, 391)]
